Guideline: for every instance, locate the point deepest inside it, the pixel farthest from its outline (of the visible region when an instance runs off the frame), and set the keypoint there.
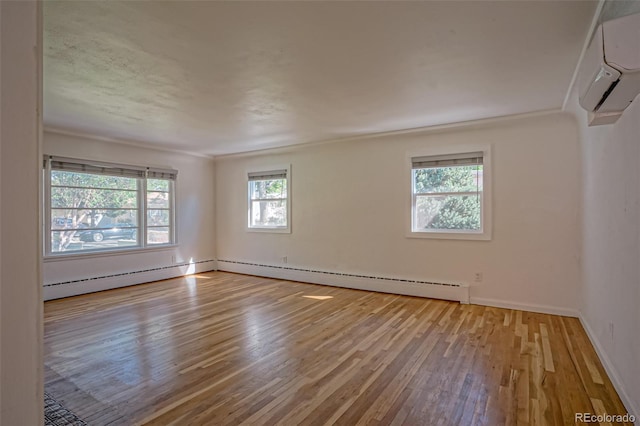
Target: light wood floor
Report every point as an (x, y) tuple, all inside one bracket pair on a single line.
[(222, 349)]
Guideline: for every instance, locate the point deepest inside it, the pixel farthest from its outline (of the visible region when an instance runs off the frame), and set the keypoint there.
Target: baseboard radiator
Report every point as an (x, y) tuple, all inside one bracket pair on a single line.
[(437, 290), (57, 290)]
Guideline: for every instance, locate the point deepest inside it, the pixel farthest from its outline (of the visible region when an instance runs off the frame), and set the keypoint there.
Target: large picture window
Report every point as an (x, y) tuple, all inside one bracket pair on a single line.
[(269, 207), (448, 196), (92, 206)]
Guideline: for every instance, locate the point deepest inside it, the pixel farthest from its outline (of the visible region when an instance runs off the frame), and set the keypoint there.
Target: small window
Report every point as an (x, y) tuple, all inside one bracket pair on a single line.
[(94, 207), (448, 196), (269, 207)]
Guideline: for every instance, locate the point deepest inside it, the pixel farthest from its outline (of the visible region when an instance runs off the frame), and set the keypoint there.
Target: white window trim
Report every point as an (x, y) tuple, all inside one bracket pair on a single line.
[(486, 214), (49, 255), (77, 255), (267, 229)]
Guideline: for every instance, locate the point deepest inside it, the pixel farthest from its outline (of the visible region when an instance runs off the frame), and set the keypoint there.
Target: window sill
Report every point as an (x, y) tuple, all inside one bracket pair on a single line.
[(105, 253), (472, 236), (270, 230)]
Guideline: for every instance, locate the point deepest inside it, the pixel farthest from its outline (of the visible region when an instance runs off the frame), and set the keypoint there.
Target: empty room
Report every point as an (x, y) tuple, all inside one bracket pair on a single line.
[(320, 212)]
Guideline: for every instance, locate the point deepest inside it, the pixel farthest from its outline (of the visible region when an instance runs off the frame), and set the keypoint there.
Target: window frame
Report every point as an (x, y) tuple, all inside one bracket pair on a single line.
[(267, 170), (485, 232), (142, 245)]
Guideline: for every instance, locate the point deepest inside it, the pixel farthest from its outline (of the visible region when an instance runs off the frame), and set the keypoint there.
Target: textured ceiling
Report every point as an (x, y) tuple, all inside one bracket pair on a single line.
[(224, 77)]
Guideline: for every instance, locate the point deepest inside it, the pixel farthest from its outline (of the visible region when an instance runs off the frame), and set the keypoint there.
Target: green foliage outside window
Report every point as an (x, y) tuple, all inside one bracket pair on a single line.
[(450, 211)]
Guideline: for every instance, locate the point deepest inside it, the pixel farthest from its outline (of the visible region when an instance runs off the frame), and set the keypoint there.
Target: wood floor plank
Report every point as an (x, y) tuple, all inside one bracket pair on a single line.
[(228, 349)]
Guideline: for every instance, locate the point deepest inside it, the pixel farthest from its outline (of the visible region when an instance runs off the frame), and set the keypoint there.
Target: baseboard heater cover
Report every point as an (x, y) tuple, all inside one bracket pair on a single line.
[(437, 290), (78, 286)]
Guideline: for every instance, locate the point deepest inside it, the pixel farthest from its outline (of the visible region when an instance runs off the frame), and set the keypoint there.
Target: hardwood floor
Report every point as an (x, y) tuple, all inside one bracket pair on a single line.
[(223, 349)]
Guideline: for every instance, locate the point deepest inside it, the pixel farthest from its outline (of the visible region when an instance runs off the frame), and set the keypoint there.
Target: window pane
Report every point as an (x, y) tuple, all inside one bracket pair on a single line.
[(158, 217), (78, 240), (157, 185), (261, 189), (92, 198), (159, 235), (158, 200), (448, 179), (60, 178), (92, 229), (268, 214), (158, 211), (447, 212), (92, 218)]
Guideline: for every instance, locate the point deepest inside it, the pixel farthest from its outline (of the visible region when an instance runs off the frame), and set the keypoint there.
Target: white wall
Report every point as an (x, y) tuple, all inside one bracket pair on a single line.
[(350, 210), (21, 397), (611, 252), (194, 209)]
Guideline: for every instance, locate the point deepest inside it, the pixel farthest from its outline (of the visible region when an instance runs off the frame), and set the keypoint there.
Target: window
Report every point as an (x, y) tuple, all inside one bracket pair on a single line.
[(159, 207), (269, 207), (92, 206), (449, 197)]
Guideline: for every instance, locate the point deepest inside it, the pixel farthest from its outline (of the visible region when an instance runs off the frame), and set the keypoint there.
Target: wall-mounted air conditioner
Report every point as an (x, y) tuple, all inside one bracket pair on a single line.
[(609, 78)]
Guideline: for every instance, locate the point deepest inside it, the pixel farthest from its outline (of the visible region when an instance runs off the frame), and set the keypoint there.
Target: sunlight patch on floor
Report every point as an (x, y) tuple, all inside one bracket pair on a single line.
[(319, 297)]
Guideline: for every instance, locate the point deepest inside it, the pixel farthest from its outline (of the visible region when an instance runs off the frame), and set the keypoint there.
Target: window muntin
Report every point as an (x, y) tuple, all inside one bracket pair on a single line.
[(447, 193), (268, 200), (93, 207)]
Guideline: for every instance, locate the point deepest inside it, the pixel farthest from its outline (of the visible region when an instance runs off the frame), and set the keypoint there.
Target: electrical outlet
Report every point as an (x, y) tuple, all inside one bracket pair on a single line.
[(173, 259), (611, 330), (477, 277), (284, 259)]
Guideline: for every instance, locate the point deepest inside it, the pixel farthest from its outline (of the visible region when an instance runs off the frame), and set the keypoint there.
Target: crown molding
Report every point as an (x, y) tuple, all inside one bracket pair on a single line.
[(426, 129), (137, 144)]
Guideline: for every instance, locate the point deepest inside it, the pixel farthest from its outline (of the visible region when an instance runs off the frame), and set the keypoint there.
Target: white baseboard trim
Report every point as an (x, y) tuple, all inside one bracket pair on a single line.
[(123, 279), (612, 371), (543, 309), (458, 292)]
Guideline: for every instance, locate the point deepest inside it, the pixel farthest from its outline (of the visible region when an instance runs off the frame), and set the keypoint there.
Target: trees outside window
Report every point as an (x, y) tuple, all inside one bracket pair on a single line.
[(448, 198)]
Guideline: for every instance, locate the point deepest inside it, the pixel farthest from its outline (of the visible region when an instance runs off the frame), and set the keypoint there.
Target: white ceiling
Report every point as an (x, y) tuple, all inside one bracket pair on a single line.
[(224, 77)]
